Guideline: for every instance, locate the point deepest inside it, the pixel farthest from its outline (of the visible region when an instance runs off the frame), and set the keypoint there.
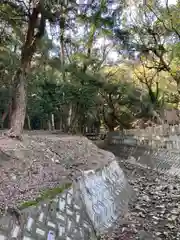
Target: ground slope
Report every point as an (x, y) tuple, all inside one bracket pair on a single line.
[(43, 161)]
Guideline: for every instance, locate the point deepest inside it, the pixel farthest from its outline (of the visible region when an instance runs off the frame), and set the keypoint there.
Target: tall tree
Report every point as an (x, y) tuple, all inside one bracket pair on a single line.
[(155, 34), (35, 17)]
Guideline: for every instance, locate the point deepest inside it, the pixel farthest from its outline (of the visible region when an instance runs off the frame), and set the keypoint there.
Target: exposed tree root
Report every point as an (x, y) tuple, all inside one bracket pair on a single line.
[(13, 134)]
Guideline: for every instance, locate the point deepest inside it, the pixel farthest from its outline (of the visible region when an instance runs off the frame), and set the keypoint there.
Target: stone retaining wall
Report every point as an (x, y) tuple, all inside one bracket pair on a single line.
[(163, 160), (162, 130), (143, 147), (171, 141), (89, 208)]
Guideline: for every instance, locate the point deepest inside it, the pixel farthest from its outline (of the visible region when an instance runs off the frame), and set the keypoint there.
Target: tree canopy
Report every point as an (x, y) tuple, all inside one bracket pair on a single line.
[(72, 66)]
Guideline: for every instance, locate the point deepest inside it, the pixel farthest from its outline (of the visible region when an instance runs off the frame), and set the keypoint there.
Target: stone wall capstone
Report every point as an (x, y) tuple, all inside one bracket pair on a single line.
[(155, 137), (160, 130)]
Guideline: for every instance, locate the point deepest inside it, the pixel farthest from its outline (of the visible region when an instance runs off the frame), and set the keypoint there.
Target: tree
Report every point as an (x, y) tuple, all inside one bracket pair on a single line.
[(36, 17), (66, 73), (157, 33), (116, 90)]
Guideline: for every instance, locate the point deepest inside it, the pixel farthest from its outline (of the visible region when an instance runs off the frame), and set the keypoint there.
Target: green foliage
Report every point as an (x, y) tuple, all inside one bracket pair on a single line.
[(81, 81)]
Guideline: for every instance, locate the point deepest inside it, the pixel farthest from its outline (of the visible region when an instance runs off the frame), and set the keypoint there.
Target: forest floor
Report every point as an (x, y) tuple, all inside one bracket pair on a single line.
[(155, 211)]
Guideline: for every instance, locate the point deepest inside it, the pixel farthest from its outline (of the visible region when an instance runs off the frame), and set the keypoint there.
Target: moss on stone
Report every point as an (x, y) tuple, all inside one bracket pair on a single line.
[(27, 204), (44, 195)]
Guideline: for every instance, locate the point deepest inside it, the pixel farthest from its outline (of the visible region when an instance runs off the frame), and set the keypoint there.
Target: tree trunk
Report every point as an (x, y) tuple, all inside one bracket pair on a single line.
[(29, 122), (62, 48), (49, 125), (18, 105), (19, 81), (52, 122), (60, 122), (4, 116), (9, 112), (110, 128), (69, 119)]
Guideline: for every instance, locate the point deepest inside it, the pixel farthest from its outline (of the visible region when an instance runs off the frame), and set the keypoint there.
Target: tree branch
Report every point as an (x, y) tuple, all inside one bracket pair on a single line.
[(18, 7)]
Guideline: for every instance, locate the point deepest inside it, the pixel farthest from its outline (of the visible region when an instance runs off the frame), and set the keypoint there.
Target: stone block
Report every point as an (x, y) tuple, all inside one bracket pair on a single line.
[(105, 194)]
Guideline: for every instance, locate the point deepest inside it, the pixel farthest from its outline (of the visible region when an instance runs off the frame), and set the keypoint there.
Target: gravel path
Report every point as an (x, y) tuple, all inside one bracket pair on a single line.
[(155, 212)]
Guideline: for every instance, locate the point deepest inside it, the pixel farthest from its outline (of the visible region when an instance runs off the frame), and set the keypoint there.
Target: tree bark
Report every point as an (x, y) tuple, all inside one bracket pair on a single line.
[(62, 52), (18, 105), (52, 122), (49, 125), (110, 128), (10, 111), (69, 119), (4, 116), (17, 117), (29, 122)]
